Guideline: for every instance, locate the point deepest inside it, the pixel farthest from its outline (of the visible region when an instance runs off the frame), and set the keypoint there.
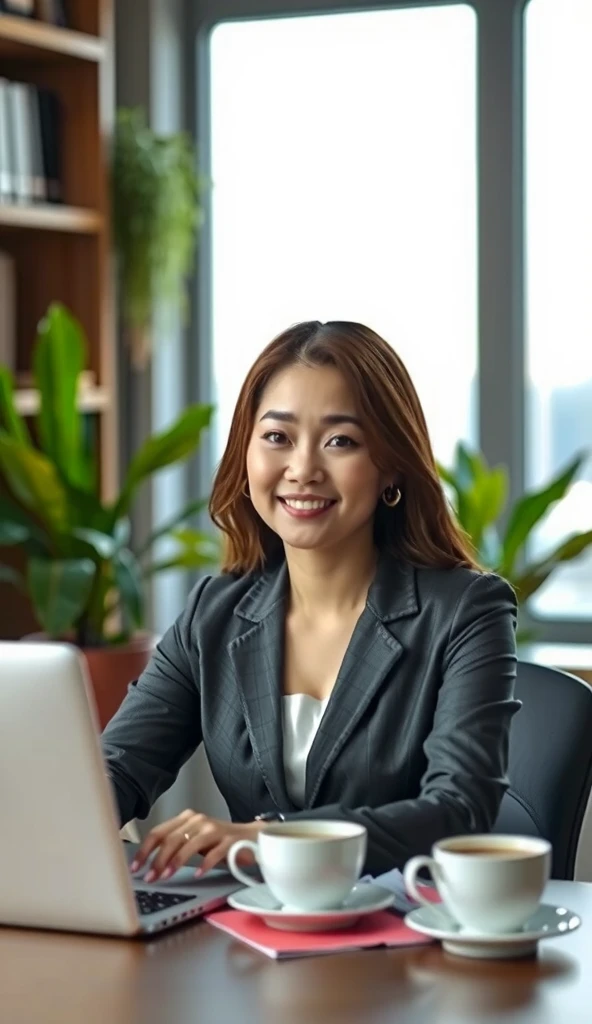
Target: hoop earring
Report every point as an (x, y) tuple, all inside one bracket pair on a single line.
[(391, 496), (245, 490)]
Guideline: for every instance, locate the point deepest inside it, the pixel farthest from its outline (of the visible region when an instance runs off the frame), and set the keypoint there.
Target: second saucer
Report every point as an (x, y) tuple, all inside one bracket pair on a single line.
[(547, 922)]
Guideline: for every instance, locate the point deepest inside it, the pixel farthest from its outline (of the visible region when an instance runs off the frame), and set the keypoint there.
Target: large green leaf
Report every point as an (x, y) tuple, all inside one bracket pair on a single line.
[(447, 476), (192, 508), (490, 552), (104, 545), (58, 360), (34, 481), (128, 579), (196, 550), (10, 418), (485, 500), (533, 576), (493, 494), (87, 512), (12, 533), (164, 449), (530, 509), (468, 466), (10, 575), (60, 590), (14, 521), (122, 532)]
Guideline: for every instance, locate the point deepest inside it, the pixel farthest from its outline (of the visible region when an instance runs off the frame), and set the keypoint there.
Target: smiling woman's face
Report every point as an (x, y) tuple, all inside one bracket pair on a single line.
[(311, 478)]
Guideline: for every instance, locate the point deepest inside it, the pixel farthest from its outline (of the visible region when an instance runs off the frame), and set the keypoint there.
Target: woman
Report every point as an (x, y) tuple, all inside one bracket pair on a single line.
[(351, 661)]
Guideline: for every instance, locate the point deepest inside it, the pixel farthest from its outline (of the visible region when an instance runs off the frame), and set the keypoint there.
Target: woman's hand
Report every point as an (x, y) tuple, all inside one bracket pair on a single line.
[(182, 837)]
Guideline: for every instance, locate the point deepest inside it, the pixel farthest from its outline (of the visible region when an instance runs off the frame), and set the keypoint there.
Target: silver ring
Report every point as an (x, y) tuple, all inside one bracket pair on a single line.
[(186, 837)]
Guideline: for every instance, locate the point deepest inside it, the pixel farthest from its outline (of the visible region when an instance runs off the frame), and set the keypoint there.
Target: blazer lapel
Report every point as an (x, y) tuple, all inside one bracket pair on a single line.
[(372, 653), (257, 656)]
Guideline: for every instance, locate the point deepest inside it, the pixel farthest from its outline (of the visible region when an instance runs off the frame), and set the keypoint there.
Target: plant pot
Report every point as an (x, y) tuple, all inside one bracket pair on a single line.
[(112, 669)]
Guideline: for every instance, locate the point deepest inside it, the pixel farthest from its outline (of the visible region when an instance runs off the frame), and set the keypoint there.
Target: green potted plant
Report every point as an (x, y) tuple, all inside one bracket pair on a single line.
[(156, 212), (479, 498), (84, 581)]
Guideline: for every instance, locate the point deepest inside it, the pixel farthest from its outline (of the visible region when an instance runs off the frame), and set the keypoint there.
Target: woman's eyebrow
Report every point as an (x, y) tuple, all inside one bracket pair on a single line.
[(332, 419)]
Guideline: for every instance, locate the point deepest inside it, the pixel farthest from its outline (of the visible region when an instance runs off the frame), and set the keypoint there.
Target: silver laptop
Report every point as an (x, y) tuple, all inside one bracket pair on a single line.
[(63, 862)]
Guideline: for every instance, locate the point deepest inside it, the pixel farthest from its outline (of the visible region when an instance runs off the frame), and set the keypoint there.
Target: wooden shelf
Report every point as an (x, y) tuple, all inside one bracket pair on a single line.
[(63, 253), (51, 217), (34, 40), (94, 399)]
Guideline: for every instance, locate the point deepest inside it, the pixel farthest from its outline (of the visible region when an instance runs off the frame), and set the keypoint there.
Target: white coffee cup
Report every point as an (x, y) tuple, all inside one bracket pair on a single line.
[(490, 884), (307, 865)]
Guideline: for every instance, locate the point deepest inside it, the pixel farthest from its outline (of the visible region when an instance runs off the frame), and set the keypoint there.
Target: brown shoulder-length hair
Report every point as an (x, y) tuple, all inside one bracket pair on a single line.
[(421, 529)]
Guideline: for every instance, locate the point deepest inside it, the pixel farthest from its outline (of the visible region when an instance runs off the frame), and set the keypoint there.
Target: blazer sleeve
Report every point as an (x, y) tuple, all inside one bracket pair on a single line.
[(158, 725), (467, 749)]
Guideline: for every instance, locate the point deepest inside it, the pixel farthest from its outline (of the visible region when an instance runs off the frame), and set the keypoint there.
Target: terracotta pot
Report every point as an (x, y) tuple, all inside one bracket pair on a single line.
[(112, 669)]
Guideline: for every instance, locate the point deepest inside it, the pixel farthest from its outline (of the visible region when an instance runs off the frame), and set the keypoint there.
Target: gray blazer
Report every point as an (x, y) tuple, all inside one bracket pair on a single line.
[(414, 740)]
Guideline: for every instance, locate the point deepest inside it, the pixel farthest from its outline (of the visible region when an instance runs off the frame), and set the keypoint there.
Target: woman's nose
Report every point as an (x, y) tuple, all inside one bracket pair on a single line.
[(304, 466)]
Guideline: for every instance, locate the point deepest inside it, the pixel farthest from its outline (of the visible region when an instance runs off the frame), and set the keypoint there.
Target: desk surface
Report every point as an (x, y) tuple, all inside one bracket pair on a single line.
[(198, 975)]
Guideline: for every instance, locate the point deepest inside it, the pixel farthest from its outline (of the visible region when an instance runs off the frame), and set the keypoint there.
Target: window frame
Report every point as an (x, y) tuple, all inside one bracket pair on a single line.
[(501, 231)]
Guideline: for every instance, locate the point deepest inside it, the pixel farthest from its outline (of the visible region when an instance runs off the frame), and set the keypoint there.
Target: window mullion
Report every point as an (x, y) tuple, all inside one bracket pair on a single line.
[(501, 236)]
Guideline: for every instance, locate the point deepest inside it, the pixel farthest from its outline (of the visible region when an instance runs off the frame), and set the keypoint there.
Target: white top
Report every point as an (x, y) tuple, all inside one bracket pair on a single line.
[(301, 718)]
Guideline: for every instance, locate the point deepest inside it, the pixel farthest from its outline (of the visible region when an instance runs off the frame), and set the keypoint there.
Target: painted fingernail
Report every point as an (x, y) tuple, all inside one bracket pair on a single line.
[(150, 875), (198, 872), (167, 873), (135, 864)]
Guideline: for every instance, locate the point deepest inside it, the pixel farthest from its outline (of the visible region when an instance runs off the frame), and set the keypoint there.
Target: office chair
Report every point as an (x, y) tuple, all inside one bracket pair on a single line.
[(550, 766)]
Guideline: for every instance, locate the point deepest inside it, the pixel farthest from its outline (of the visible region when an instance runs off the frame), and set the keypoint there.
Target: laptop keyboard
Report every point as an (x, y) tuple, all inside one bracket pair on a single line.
[(149, 902)]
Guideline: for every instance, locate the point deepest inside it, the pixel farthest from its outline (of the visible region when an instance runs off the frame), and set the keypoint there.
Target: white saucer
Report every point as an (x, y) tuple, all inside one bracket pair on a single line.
[(364, 898), (548, 922)]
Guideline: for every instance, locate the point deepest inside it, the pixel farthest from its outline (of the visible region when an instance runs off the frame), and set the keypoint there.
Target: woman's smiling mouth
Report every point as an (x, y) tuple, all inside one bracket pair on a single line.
[(306, 507)]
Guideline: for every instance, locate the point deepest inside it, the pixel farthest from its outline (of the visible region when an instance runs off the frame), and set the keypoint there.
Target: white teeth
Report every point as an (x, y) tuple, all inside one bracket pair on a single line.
[(306, 505)]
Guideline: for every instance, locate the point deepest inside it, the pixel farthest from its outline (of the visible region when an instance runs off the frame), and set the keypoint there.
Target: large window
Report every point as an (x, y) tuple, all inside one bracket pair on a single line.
[(559, 278), (344, 187)]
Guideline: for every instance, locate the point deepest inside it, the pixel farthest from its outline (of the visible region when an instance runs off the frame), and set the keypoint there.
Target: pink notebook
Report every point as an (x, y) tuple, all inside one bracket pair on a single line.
[(380, 929)]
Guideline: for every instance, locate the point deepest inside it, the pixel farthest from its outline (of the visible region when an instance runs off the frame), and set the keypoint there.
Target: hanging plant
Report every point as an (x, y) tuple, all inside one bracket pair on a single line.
[(156, 208)]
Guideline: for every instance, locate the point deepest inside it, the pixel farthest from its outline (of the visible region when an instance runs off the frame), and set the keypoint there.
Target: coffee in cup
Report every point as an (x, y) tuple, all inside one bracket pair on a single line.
[(490, 884), (307, 865)]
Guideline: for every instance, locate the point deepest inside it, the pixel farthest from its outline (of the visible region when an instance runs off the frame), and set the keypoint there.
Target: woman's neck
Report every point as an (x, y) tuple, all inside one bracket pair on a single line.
[(330, 582)]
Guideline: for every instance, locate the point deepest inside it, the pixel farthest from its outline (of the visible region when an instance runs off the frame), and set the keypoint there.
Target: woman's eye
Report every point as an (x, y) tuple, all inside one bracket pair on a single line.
[(274, 437), (342, 441)]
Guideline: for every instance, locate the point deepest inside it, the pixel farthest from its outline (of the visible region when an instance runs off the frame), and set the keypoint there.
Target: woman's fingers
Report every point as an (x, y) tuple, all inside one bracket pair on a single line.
[(180, 838), (194, 836), (213, 857), (171, 855), (177, 848), (157, 836)]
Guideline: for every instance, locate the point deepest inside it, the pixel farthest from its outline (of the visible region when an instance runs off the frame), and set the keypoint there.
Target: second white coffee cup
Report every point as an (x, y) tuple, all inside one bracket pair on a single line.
[(490, 884), (307, 865)]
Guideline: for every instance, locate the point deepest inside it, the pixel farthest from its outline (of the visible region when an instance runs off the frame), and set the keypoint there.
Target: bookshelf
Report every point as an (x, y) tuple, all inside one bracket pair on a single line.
[(61, 250), (51, 217), (33, 40), (96, 399)]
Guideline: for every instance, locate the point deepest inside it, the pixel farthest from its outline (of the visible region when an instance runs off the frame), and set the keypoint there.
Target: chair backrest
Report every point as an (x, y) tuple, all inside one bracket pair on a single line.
[(550, 767)]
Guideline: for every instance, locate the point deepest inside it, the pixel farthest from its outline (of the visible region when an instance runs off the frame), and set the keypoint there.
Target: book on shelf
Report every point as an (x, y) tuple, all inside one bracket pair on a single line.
[(6, 182), (22, 8), (7, 311), (53, 12), (30, 144)]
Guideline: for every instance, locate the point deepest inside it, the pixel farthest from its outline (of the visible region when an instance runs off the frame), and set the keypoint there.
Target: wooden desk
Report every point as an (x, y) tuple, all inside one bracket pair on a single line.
[(198, 975)]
